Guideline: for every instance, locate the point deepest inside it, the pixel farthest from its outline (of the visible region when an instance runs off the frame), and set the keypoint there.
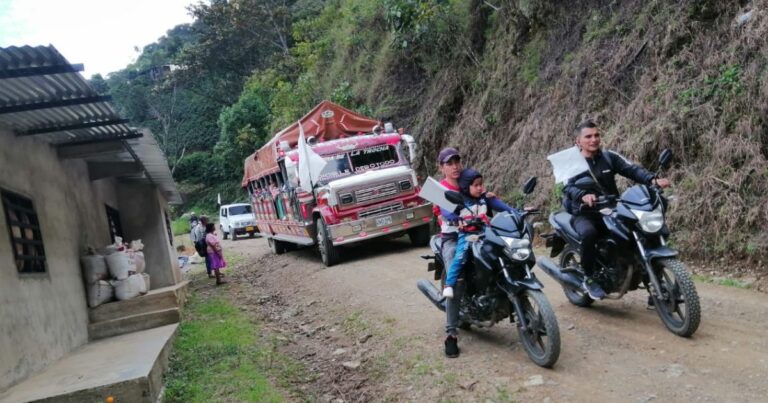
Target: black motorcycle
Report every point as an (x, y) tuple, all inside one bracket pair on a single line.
[(499, 283), (634, 254)]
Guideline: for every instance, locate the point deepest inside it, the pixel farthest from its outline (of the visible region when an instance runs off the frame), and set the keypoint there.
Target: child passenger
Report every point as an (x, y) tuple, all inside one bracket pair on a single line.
[(476, 203)]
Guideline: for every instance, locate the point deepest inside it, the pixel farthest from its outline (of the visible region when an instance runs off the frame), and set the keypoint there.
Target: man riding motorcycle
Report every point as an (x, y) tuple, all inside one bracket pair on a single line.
[(603, 166)]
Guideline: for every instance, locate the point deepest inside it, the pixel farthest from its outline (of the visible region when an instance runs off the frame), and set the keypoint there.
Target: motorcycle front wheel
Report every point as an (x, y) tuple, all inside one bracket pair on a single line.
[(541, 337), (678, 305)]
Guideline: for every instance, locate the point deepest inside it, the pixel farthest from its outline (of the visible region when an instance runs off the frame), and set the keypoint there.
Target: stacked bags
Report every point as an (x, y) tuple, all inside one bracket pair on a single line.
[(115, 271)]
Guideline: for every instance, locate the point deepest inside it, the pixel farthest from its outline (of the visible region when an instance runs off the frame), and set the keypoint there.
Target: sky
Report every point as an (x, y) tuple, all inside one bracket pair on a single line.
[(101, 34)]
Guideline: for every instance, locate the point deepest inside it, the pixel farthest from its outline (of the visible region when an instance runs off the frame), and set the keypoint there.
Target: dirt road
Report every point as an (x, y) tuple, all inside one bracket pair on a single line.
[(368, 334)]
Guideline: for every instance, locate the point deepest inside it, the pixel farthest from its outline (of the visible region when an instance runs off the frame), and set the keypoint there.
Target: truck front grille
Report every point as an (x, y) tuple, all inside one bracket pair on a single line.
[(381, 210), (376, 192)]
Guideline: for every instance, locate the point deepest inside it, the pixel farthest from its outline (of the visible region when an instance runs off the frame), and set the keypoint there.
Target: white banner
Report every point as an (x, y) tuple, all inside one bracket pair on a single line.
[(434, 192), (567, 163)]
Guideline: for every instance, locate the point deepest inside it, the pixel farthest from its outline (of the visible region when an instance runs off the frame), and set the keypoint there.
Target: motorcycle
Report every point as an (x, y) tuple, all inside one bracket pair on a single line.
[(633, 254), (499, 281)]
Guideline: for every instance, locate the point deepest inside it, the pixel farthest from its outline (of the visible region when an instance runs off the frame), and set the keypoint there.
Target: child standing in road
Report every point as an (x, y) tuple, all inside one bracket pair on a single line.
[(215, 253), (476, 204)]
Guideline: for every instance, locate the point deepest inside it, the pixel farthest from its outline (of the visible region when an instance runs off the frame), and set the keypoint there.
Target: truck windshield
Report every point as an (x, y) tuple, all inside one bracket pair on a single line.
[(236, 210), (356, 161)]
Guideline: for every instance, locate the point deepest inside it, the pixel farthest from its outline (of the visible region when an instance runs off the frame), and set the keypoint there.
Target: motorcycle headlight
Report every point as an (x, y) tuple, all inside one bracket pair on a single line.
[(650, 221), (517, 249)]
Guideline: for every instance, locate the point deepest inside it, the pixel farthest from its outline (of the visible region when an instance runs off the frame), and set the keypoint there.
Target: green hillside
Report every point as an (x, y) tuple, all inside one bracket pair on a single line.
[(505, 81)]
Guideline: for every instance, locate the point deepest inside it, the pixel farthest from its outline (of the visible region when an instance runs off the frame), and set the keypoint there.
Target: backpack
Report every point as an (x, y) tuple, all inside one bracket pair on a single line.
[(201, 247)]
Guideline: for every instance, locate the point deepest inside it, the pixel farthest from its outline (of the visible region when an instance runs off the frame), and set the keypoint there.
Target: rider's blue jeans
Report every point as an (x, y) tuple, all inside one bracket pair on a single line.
[(458, 260)]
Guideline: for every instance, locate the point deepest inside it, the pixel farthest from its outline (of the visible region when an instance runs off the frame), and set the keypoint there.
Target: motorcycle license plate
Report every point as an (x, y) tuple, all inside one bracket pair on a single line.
[(249, 228), (382, 221)]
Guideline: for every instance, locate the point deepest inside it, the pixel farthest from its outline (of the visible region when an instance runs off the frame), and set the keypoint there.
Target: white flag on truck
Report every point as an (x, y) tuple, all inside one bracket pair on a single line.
[(310, 163), (567, 163)]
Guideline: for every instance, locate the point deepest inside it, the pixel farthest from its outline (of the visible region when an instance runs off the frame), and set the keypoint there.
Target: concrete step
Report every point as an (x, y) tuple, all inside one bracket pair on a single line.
[(154, 300), (133, 323), (134, 306), (128, 367)]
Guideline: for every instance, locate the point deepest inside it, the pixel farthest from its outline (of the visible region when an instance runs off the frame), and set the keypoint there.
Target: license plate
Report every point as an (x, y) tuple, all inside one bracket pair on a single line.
[(249, 228), (382, 221)]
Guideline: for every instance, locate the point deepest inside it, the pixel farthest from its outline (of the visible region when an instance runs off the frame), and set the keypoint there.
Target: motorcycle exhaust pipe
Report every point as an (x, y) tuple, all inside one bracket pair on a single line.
[(432, 293), (566, 279)]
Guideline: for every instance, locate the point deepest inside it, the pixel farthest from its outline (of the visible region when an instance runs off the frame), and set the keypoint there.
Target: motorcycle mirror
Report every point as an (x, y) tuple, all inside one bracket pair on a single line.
[(454, 197), (585, 183), (665, 158), (529, 185)]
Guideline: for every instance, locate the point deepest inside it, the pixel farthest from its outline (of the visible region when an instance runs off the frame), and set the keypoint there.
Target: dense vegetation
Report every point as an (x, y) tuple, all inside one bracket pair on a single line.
[(503, 80)]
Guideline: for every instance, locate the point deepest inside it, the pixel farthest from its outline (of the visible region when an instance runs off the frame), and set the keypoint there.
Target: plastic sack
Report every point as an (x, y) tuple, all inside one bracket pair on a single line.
[(146, 288), (94, 268), (119, 265), (129, 288), (136, 261), (136, 245), (99, 292)]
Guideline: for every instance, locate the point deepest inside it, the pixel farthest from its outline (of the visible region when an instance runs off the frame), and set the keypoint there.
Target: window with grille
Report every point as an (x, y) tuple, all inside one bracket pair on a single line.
[(24, 229)]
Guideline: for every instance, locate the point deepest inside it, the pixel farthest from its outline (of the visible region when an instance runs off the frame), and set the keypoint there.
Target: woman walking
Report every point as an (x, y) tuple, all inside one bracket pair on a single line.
[(214, 252)]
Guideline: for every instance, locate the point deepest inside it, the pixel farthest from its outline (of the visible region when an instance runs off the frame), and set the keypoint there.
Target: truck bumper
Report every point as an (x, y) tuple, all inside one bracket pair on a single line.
[(251, 229), (380, 225)]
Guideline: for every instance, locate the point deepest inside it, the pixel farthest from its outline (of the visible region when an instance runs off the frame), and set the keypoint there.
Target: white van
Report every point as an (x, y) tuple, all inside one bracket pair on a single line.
[(237, 219)]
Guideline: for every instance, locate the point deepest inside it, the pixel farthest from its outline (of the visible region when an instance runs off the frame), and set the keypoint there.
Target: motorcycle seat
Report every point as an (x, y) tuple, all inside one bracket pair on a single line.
[(564, 220)]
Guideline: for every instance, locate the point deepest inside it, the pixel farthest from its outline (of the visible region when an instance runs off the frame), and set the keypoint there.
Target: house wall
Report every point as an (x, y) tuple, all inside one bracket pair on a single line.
[(44, 316), (142, 212)]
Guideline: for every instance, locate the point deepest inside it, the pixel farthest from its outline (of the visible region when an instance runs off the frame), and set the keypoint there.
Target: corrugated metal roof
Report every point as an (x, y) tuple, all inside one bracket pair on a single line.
[(43, 95), (39, 89)]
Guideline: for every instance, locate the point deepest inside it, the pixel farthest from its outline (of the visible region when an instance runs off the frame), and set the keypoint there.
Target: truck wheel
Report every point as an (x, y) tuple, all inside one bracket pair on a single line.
[(329, 254), (224, 233), (277, 247), (419, 235)]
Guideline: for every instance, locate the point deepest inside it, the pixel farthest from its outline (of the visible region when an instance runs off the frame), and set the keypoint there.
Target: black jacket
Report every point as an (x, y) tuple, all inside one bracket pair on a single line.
[(604, 166)]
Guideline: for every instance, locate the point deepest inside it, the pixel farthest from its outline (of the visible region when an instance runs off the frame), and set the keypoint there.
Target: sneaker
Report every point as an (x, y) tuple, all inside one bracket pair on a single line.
[(593, 289), (448, 292), (451, 347)]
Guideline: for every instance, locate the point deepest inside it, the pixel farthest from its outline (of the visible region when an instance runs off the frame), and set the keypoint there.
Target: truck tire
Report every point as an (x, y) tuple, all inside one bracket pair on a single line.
[(419, 236), (329, 254), (277, 247)]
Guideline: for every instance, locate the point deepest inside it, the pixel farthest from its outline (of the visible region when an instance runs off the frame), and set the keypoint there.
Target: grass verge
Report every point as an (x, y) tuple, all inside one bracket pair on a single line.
[(219, 355)]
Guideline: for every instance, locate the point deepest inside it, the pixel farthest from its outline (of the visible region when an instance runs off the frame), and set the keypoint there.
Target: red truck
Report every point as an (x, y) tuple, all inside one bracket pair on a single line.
[(367, 189)]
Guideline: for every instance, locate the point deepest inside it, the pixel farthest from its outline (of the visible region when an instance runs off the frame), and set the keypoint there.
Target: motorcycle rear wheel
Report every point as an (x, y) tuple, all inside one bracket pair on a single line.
[(678, 306), (541, 339), (570, 258)]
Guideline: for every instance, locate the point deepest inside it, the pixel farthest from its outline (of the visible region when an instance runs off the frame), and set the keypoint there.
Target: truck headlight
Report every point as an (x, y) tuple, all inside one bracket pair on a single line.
[(517, 249), (650, 221), (405, 185)]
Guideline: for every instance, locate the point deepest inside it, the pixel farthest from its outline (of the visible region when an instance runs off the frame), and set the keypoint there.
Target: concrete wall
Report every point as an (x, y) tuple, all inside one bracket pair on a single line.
[(142, 212), (44, 316)]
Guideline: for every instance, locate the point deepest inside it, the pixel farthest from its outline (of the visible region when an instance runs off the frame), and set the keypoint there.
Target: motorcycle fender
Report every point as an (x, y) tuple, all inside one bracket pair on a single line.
[(554, 242), (516, 286), (659, 253)]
